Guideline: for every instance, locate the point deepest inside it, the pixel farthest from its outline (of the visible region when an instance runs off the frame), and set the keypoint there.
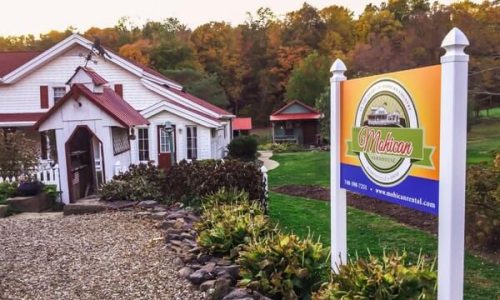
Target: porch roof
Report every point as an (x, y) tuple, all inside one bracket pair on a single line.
[(20, 117), (108, 101), (290, 117), (295, 110)]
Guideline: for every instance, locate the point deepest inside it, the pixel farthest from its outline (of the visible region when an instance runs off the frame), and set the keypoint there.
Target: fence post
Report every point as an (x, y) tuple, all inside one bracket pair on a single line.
[(263, 169), (338, 210), (453, 141)]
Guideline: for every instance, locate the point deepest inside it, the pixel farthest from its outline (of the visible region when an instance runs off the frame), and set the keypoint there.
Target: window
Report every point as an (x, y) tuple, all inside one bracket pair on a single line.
[(143, 138), (58, 93), (192, 144), (165, 140), (120, 140)]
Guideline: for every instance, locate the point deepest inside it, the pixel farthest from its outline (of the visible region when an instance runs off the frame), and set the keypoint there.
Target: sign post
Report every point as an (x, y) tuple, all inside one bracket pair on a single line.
[(454, 68), (338, 206), (401, 137)]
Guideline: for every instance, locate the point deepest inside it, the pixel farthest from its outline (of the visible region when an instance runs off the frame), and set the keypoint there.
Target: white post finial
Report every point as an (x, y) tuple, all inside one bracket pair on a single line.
[(454, 43), (338, 206), (453, 142), (338, 68)]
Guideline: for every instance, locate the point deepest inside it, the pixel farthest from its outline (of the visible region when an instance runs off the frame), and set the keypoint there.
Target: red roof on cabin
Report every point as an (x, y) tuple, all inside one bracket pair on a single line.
[(9, 61), (20, 117), (242, 123), (280, 115), (96, 78), (109, 101)]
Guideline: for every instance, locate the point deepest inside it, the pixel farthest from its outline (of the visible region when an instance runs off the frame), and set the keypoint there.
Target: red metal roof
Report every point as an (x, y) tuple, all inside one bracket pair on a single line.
[(201, 102), (9, 61), (108, 101), (96, 78), (20, 117), (313, 110), (288, 117), (242, 123)]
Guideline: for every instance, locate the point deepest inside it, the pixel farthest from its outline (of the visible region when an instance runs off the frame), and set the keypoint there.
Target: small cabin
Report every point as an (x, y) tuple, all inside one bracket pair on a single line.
[(296, 123), (241, 126)]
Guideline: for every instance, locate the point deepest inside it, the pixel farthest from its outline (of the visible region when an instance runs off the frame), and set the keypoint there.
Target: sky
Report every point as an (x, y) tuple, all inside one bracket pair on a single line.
[(37, 16)]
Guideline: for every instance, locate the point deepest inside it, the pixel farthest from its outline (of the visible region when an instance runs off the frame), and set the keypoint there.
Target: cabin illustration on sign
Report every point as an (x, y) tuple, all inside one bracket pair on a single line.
[(296, 123), (94, 118), (380, 117)]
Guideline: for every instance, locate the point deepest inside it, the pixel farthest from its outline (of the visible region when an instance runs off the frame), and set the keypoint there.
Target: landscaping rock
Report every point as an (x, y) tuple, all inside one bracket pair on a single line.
[(36, 203), (147, 204), (238, 294), (159, 215), (3, 211), (223, 262), (221, 288), (200, 276), (205, 286), (210, 267), (233, 271), (185, 272)]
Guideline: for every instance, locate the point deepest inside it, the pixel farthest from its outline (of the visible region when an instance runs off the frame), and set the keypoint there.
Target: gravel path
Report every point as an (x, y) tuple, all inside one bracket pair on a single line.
[(101, 256)]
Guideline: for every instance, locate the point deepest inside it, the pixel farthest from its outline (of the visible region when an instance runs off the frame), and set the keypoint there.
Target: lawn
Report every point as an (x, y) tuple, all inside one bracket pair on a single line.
[(313, 168), (370, 231), (483, 141)]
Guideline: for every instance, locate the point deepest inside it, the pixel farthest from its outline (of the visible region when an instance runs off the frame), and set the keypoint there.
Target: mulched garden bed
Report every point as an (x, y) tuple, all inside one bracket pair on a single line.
[(402, 214), (407, 216)]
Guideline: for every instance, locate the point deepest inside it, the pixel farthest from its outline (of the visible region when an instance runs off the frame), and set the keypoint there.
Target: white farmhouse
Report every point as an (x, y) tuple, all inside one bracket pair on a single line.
[(94, 120)]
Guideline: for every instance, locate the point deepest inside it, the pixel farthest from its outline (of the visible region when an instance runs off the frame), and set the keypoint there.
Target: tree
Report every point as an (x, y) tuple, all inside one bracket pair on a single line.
[(309, 79), (18, 154), (137, 51)]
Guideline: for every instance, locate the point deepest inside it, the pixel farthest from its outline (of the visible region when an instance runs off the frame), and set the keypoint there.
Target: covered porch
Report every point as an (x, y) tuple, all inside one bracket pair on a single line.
[(296, 123)]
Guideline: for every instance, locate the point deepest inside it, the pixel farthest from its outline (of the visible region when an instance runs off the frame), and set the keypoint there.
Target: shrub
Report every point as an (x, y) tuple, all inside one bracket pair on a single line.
[(282, 147), (223, 228), (190, 181), (225, 196), (30, 188), (283, 266), (243, 147), (386, 278), (140, 182), (7, 190), (483, 207)]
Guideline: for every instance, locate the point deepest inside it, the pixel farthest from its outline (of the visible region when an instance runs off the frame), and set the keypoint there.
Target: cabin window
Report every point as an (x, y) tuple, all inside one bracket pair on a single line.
[(143, 139), (192, 143), (120, 140), (58, 93)]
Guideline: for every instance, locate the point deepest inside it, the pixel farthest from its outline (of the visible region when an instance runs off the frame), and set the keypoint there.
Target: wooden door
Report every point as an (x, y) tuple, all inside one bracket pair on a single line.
[(166, 147)]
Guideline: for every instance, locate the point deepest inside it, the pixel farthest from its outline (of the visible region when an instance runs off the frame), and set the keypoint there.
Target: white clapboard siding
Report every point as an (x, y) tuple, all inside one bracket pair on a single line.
[(24, 95)]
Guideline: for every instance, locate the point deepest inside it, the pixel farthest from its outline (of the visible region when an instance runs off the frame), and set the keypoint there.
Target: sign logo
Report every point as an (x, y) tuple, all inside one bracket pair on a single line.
[(386, 135)]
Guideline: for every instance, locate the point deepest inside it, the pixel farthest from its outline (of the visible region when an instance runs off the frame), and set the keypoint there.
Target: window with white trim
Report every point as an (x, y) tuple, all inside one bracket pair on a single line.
[(192, 142), (165, 141), (58, 92), (143, 139)]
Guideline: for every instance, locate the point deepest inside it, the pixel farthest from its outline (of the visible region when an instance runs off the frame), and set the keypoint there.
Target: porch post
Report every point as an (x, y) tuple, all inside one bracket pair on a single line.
[(63, 165), (338, 210), (272, 130)]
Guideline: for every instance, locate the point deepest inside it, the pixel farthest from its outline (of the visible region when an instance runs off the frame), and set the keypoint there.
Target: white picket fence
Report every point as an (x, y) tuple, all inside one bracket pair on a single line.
[(45, 173)]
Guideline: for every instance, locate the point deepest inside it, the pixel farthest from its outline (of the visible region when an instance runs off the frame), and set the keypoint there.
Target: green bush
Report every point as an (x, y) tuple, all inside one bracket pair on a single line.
[(284, 266), (140, 182), (483, 207), (386, 278), (223, 228), (189, 182), (7, 190), (225, 196), (243, 147), (282, 147)]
